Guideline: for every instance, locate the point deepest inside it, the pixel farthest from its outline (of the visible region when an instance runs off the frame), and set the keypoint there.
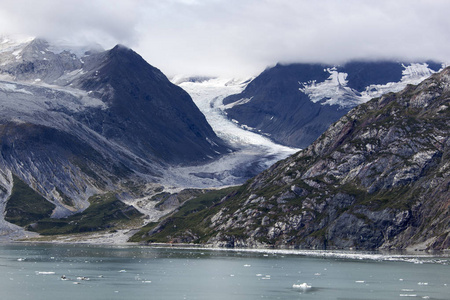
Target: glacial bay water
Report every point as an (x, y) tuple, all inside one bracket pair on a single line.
[(29, 271)]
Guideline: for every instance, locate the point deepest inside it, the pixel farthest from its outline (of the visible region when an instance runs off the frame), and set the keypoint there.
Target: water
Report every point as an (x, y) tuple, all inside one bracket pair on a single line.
[(34, 272)]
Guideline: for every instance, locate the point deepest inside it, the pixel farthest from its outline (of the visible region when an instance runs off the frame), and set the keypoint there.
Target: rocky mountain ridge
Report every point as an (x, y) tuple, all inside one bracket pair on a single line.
[(378, 178)]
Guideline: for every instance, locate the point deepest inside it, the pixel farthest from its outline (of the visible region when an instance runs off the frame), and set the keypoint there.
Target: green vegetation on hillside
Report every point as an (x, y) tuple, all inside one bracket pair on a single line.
[(105, 212), (25, 205), (191, 219)]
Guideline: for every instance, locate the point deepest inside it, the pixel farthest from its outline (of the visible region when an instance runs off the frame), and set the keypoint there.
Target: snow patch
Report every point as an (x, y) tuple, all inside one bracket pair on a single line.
[(10, 87), (14, 43), (334, 90), (412, 74), (17, 52)]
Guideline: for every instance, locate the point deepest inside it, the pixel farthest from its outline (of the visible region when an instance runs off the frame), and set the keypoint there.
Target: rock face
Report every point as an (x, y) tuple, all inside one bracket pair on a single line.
[(72, 125), (377, 178), (146, 112), (294, 104)]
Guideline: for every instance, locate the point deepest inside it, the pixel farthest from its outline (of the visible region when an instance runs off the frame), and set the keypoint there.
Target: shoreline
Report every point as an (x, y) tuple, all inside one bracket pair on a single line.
[(120, 238), (358, 254)]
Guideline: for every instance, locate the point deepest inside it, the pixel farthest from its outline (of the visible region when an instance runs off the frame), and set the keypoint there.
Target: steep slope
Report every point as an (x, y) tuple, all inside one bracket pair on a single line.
[(142, 109), (377, 178), (146, 112), (75, 126), (293, 104)]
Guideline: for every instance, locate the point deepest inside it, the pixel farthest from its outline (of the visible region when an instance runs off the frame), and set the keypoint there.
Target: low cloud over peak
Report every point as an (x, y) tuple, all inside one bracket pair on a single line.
[(242, 37)]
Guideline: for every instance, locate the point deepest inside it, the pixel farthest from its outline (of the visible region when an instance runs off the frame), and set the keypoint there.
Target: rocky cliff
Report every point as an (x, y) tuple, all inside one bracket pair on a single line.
[(377, 178)]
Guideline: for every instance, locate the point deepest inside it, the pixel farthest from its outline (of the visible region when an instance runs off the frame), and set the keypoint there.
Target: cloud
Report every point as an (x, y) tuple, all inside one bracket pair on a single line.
[(101, 21), (242, 37)]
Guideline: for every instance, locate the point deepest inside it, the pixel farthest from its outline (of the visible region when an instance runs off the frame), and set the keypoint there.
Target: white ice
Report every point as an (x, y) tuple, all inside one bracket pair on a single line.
[(302, 286), (253, 151), (334, 90)]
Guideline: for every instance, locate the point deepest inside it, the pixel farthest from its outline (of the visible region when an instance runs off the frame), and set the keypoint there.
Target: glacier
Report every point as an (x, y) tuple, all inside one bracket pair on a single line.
[(254, 152)]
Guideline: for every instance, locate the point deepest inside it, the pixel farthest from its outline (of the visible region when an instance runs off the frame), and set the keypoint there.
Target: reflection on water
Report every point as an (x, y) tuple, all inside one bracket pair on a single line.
[(76, 272)]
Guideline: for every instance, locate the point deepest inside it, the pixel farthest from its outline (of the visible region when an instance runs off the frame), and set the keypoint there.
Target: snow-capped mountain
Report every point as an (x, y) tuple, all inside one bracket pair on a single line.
[(73, 126), (293, 104)]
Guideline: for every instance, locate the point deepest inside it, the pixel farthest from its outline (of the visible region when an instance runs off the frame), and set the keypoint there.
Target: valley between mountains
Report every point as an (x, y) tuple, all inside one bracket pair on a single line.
[(99, 146)]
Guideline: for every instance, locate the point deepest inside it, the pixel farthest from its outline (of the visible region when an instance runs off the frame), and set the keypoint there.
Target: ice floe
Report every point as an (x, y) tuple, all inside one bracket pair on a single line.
[(302, 286)]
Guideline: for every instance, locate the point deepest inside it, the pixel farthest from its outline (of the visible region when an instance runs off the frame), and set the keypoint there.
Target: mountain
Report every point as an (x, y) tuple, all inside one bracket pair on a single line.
[(73, 126), (294, 104), (378, 178), (144, 110)]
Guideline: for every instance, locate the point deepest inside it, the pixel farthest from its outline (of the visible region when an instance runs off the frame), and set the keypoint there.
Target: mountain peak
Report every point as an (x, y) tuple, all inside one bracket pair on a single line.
[(120, 47), (126, 55)]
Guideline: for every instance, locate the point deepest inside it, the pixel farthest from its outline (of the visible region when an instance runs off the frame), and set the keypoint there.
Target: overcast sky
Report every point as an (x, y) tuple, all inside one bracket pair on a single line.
[(240, 38)]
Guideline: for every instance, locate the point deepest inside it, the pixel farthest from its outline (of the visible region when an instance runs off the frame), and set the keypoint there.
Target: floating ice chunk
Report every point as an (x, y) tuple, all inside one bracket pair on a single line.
[(83, 278), (44, 273), (302, 286)]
